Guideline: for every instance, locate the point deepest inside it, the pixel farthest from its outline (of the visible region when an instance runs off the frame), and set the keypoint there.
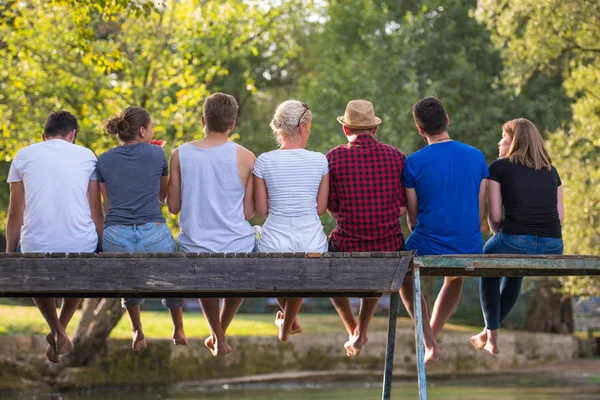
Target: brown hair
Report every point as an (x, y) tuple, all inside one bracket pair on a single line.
[(220, 110), (527, 147), (126, 125)]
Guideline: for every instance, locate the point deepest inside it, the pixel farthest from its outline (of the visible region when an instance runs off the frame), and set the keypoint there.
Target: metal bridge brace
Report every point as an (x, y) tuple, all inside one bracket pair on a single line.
[(420, 349)]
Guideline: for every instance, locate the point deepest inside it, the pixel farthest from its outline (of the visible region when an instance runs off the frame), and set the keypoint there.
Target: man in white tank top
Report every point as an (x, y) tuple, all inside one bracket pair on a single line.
[(211, 185)]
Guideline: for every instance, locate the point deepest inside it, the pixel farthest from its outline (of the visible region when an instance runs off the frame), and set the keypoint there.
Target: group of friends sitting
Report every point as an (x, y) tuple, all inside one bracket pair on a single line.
[(60, 191)]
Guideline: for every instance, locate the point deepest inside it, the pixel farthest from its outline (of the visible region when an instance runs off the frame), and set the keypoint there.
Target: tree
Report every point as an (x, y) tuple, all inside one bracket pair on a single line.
[(538, 36), (96, 57)]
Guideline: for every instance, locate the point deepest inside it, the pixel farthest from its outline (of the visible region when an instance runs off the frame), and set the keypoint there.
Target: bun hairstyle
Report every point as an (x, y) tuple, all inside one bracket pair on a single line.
[(288, 117), (126, 125)]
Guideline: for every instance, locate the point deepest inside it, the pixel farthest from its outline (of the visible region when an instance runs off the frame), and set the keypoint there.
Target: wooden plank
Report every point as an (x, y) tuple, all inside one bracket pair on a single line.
[(155, 277), (508, 265)]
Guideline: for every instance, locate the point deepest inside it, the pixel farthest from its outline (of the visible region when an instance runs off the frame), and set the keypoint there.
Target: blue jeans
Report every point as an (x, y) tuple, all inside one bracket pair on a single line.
[(499, 295), (144, 238)]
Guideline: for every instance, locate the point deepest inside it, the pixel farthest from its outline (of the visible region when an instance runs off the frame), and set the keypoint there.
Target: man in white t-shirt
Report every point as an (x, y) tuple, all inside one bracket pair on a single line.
[(55, 207)]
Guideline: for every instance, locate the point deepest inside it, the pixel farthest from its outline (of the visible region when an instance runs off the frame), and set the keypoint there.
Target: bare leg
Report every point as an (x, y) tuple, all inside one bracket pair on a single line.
[(296, 328), (478, 341), (179, 338), (139, 340), (492, 342), (61, 343), (432, 351), (67, 310), (356, 342), (344, 309), (216, 343), (292, 307), (229, 310), (446, 302)]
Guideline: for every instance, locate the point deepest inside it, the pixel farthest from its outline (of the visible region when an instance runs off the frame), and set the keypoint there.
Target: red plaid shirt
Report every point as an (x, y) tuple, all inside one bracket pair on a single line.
[(366, 193)]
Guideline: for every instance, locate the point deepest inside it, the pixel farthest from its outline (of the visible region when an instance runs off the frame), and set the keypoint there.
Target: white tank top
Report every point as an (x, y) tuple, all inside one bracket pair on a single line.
[(212, 201)]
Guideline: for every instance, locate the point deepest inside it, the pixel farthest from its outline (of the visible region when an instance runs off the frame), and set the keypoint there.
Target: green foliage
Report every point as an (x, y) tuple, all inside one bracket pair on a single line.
[(561, 37), (394, 53)]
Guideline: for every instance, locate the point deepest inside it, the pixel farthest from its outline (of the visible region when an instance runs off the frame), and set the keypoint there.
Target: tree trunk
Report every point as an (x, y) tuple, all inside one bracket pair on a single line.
[(98, 319), (549, 311)]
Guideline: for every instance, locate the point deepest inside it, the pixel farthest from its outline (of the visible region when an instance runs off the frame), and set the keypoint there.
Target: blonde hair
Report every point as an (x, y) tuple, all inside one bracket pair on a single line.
[(288, 117), (527, 147)]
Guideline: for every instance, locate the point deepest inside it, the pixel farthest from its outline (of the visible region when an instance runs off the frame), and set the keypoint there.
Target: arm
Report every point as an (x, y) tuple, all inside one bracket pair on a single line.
[(333, 200), (261, 197), (561, 205), (249, 205), (494, 205), (245, 170), (323, 195), (413, 206), (174, 185), (164, 186), (16, 209), (104, 193), (96, 209), (482, 192)]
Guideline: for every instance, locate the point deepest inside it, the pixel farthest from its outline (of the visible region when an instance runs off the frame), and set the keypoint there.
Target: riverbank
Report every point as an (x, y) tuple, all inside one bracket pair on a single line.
[(263, 358)]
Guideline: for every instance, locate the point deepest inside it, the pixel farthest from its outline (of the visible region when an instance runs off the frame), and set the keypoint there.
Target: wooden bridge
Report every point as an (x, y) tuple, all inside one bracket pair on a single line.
[(266, 275)]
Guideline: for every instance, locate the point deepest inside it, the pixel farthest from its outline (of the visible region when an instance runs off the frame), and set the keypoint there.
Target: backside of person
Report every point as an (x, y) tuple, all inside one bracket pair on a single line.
[(367, 199), (291, 186), (133, 179), (211, 185), (55, 207), (524, 183), (445, 187)]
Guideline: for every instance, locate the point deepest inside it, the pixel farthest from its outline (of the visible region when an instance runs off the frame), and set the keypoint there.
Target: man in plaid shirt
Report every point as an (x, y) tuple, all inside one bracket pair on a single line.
[(367, 199)]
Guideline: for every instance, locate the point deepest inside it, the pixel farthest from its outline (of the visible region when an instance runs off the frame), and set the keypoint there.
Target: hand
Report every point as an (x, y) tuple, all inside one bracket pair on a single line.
[(160, 143)]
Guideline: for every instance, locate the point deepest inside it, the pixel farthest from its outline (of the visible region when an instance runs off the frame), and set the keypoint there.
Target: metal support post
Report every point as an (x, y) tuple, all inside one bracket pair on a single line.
[(420, 349), (391, 345)]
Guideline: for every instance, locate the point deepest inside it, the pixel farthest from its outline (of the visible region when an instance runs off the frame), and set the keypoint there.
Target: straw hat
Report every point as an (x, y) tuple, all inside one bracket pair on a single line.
[(359, 115)]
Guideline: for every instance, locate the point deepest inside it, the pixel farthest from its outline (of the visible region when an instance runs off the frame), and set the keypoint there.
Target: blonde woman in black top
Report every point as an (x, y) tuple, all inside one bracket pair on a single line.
[(524, 183)]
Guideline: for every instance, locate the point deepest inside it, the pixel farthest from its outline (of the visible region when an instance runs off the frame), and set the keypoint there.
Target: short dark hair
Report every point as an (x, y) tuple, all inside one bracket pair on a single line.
[(220, 110), (430, 115), (60, 123)]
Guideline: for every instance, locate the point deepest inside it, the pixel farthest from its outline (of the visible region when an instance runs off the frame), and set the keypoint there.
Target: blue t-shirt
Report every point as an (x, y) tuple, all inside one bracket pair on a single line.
[(447, 178), (132, 175)]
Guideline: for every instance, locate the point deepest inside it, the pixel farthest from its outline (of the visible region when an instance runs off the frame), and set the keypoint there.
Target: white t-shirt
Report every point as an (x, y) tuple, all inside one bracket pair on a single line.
[(292, 178), (56, 175)]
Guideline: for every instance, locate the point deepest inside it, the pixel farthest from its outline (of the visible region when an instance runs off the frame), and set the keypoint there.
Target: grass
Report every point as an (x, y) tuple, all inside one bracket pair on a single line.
[(27, 320)]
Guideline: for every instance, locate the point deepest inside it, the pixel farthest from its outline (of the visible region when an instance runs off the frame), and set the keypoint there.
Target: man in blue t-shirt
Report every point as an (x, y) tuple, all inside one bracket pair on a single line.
[(445, 187)]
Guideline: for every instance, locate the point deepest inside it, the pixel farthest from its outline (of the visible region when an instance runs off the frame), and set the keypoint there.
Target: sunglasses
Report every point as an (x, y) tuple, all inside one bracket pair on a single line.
[(305, 110)]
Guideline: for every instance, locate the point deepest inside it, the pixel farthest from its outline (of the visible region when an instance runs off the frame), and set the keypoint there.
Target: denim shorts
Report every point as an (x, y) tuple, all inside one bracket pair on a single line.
[(152, 237), (502, 243)]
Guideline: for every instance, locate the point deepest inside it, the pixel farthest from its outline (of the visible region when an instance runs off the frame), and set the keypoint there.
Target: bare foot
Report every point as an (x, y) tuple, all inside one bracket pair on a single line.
[(354, 346), (296, 328), (139, 341), (479, 340), (220, 349), (179, 338), (432, 354), (63, 344), (492, 348), (51, 353)]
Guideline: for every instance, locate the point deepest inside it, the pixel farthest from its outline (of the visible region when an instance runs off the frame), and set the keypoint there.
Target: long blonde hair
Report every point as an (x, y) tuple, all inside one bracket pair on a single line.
[(527, 147)]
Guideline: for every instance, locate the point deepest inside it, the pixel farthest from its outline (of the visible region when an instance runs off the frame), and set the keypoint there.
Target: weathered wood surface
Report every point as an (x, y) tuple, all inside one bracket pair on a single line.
[(201, 275), (508, 265)]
